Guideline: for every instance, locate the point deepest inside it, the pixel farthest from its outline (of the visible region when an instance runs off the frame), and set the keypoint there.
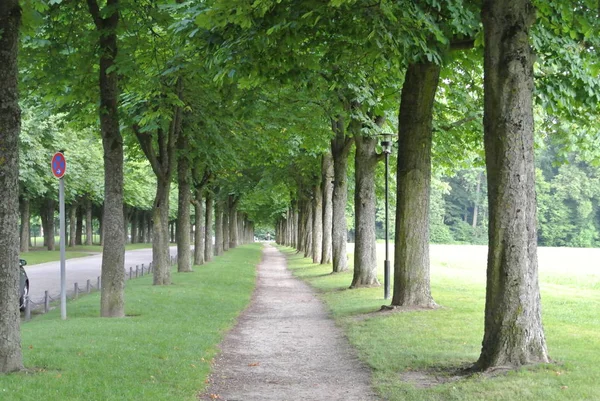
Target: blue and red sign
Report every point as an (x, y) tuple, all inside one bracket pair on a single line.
[(59, 165)]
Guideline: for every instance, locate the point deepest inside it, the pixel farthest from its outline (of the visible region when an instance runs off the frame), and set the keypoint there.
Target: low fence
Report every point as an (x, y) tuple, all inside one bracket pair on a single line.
[(44, 305)]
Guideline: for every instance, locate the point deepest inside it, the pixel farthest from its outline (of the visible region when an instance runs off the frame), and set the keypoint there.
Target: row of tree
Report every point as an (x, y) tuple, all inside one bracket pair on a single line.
[(254, 111)]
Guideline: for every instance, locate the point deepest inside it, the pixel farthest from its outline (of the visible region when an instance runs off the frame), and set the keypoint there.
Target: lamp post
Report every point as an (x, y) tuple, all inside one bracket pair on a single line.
[(386, 145)]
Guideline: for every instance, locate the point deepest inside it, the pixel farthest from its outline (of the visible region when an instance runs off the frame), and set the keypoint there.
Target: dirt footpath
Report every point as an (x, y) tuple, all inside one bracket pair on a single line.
[(286, 348)]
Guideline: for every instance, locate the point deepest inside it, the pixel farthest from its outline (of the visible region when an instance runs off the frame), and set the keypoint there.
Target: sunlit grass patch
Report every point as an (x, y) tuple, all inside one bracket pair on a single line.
[(435, 343)]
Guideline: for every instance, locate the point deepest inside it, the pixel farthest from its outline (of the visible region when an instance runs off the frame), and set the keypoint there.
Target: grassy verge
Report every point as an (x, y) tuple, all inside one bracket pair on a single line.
[(42, 255), (399, 345), (161, 351)]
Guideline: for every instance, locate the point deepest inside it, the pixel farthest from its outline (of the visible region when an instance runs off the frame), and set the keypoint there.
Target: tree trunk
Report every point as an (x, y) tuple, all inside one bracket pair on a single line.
[(295, 232), (327, 190), (218, 228), (199, 241), (160, 229), (301, 225), (79, 227), (50, 204), (340, 148), (233, 222), (113, 238), (11, 359), (411, 257), (183, 208), (142, 225), (365, 257), (513, 334), (72, 224), (225, 227), (126, 217), (208, 233), (89, 229), (317, 228), (149, 226), (134, 226), (24, 235), (308, 228)]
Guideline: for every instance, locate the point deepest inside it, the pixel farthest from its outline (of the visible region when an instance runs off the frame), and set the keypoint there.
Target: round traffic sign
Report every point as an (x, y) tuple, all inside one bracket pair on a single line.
[(59, 165)]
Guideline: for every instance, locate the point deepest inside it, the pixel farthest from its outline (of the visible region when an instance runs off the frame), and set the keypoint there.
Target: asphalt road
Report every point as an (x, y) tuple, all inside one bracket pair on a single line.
[(46, 276)]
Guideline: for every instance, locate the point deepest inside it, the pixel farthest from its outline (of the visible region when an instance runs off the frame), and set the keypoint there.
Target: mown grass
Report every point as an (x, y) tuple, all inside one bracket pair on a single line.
[(42, 255), (161, 351), (448, 338)]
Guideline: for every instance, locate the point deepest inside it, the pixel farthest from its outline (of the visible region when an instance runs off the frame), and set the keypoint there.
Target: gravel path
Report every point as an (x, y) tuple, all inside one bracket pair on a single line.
[(286, 348)]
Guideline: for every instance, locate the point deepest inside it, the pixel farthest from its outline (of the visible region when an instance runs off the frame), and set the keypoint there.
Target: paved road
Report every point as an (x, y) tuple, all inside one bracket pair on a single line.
[(46, 276)]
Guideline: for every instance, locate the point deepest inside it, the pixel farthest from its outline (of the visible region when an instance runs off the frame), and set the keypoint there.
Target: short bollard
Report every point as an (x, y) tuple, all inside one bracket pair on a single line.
[(46, 302), (130, 272), (137, 271), (142, 269), (88, 287), (98, 285), (27, 308), (76, 290)]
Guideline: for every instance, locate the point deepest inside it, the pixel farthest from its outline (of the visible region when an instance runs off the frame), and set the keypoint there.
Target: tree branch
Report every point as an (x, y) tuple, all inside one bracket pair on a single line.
[(95, 13), (145, 141)]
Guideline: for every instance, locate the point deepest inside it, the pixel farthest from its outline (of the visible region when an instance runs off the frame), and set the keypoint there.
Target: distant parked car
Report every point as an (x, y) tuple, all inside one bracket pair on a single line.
[(24, 285)]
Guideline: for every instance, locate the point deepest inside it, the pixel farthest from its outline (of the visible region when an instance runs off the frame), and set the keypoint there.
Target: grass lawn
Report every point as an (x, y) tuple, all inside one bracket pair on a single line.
[(414, 344), (42, 255), (161, 351)]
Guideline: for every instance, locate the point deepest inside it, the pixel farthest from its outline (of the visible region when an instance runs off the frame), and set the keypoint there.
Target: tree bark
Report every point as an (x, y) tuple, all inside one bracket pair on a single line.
[(89, 231), (365, 257), (48, 210), (113, 238), (513, 334), (72, 224), (183, 207), (233, 221), (24, 234), (160, 236), (327, 191), (301, 224), (208, 242), (199, 240), (411, 257), (308, 228), (218, 228), (143, 229), (11, 359), (134, 226), (340, 148), (317, 228), (79, 227), (225, 228)]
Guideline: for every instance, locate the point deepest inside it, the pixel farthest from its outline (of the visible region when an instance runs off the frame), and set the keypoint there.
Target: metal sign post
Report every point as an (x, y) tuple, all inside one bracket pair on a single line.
[(59, 167)]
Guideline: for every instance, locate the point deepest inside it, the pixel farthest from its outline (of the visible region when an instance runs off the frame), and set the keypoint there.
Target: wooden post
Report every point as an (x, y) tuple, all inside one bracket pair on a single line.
[(130, 272), (88, 287), (137, 271), (142, 269), (46, 302), (76, 288), (27, 308), (98, 286)]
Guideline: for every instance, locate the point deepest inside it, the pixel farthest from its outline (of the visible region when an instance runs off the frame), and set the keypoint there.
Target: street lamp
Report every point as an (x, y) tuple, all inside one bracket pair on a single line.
[(386, 145)]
